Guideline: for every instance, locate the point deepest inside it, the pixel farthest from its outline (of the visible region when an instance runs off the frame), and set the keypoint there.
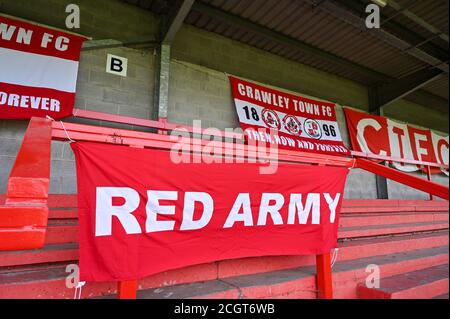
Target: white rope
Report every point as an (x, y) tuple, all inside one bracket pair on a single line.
[(353, 164), (67, 134), (64, 128), (334, 257), (80, 287)]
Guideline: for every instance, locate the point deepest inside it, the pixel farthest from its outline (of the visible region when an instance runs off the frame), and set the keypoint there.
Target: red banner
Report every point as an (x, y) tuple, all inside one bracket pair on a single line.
[(378, 135), (287, 121), (39, 68), (140, 213)]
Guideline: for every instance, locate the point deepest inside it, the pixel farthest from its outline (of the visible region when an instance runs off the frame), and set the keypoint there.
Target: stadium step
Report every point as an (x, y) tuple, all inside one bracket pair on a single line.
[(66, 230), (48, 254), (420, 284), (347, 219), (49, 281), (70, 213), (390, 229), (355, 220), (347, 275), (444, 296), (62, 231), (400, 236), (299, 282), (69, 252), (349, 249)]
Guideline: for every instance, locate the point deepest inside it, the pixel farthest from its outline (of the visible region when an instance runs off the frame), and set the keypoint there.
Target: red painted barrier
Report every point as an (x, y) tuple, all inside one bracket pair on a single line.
[(23, 217), (403, 178)]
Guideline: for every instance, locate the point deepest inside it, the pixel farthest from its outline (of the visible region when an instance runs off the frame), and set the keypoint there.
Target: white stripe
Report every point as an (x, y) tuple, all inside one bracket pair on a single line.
[(240, 104), (36, 70)]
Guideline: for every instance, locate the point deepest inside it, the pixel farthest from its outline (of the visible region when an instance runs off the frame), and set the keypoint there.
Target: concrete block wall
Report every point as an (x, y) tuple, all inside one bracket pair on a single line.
[(197, 92), (100, 19), (104, 92), (222, 54)]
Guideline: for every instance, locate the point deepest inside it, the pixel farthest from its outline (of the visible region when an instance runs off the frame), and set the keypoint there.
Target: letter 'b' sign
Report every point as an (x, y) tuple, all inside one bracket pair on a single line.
[(116, 65)]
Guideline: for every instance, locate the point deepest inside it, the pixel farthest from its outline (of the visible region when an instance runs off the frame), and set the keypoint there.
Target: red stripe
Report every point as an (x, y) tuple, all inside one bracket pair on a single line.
[(8, 111), (72, 52), (291, 110)]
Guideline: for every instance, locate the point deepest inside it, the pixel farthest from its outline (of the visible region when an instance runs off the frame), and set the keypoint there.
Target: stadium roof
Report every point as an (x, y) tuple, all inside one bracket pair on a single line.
[(407, 57)]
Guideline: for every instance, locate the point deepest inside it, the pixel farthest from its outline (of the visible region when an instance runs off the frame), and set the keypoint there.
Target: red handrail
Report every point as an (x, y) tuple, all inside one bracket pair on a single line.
[(164, 125), (81, 132), (403, 178)]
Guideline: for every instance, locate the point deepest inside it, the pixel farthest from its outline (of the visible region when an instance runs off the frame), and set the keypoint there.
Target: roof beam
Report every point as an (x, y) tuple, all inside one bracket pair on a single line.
[(429, 100), (398, 89), (114, 43), (347, 15), (407, 35), (235, 20), (413, 17), (284, 39), (174, 19)]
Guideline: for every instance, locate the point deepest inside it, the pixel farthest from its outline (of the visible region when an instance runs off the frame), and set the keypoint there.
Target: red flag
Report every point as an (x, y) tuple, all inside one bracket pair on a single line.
[(142, 213), (285, 120), (379, 135), (38, 70)]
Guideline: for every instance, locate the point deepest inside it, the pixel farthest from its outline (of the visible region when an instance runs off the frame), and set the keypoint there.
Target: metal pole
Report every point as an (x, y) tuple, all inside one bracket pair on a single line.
[(324, 276), (429, 178), (162, 83), (127, 289)]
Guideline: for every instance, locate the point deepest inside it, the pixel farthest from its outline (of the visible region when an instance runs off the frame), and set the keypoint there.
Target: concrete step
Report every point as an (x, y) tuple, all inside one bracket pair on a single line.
[(67, 213), (62, 231), (49, 281), (346, 278), (50, 253), (393, 203), (397, 209), (354, 220), (66, 230), (233, 267), (69, 201), (298, 282), (419, 284), (390, 229), (359, 217), (444, 296), (348, 250)]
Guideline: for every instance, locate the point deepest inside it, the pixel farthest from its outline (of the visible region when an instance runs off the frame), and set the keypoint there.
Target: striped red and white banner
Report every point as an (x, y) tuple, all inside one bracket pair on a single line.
[(278, 119), (39, 68)]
